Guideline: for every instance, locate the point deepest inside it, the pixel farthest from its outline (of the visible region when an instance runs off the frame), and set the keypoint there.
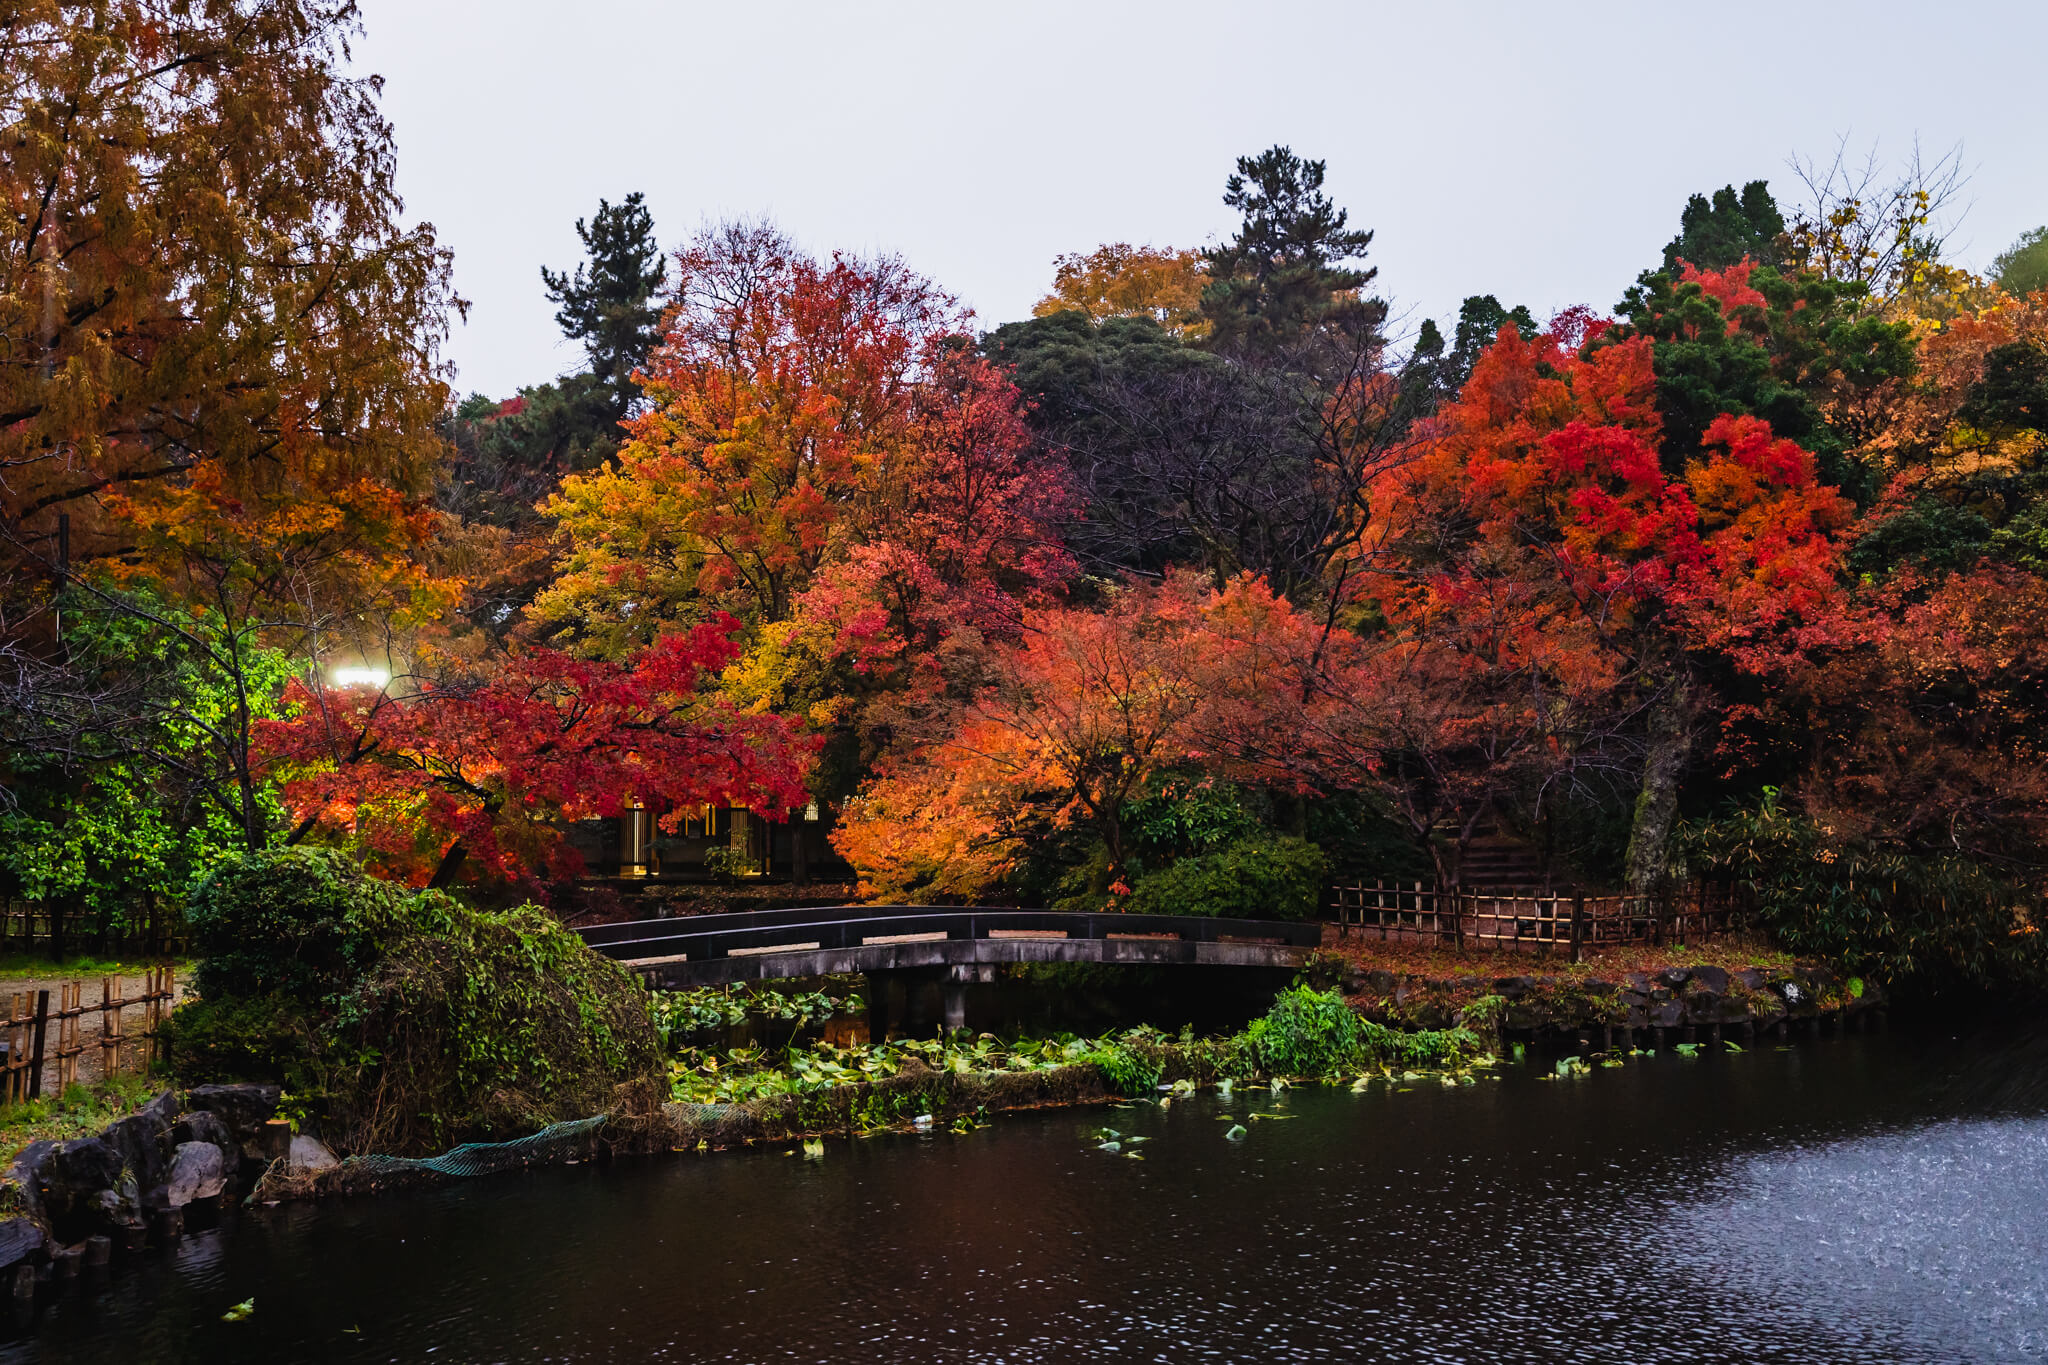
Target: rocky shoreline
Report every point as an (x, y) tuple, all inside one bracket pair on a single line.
[(1638, 1008), (67, 1206)]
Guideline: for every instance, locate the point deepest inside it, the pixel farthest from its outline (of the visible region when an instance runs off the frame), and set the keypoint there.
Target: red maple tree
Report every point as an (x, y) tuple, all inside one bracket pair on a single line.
[(484, 773)]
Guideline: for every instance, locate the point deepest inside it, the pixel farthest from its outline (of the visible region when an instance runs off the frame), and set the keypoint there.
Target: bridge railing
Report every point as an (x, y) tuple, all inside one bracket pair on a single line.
[(702, 937)]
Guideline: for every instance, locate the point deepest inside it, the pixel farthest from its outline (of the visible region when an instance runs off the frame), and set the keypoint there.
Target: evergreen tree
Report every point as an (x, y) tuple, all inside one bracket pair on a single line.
[(1285, 271), (1480, 319), (1437, 371), (610, 303), (1716, 235), (2022, 268)]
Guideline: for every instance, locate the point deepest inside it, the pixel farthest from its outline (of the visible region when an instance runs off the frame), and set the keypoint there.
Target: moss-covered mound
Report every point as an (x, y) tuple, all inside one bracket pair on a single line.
[(406, 1022)]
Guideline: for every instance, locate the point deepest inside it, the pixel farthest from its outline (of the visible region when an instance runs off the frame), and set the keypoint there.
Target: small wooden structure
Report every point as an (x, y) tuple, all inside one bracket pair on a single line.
[(1423, 912)]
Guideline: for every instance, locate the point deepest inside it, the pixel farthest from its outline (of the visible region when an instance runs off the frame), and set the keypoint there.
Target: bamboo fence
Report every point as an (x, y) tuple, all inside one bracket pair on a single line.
[(38, 1059), (1417, 911)]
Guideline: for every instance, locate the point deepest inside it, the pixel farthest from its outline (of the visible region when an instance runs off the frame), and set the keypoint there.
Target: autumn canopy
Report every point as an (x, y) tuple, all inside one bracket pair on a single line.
[(811, 573)]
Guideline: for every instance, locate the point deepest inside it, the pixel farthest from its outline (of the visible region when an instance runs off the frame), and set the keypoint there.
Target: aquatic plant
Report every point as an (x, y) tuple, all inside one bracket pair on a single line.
[(681, 1012), (1307, 1033)]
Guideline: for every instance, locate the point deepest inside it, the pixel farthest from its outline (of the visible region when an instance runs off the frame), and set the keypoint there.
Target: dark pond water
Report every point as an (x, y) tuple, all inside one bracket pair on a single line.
[(1861, 1199)]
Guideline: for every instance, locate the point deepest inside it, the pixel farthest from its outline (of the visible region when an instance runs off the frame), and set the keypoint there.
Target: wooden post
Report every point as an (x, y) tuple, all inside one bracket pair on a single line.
[(110, 1027), (35, 1062), (1578, 927)]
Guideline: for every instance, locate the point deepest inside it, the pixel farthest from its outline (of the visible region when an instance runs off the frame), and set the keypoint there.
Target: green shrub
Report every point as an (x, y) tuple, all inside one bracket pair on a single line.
[(1930, 921), (1427, 1047), (1264, 878), (1128, 1070), (1184, 814), (303, 923), (239, 1038), (411, 1021), (1307, 1033)]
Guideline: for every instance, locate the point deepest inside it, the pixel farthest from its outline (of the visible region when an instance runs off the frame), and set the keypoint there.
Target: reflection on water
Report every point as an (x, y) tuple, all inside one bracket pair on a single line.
[(1833, 1201)]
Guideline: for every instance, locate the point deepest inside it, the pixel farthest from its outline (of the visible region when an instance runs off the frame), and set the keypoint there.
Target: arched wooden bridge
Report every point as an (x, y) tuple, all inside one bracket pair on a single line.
[(710, 950)]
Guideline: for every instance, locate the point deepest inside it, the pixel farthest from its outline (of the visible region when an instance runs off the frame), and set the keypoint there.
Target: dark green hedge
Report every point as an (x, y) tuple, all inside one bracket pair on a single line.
[(1261, 878)]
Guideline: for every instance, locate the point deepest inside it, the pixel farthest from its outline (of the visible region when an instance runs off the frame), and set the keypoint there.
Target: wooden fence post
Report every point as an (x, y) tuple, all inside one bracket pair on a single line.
[(1578, 927), (110, 1028), (35, 1056)]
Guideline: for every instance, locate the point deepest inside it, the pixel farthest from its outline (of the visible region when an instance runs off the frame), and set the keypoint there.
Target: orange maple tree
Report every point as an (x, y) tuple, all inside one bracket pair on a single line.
[(806, 416), (1078, 717)]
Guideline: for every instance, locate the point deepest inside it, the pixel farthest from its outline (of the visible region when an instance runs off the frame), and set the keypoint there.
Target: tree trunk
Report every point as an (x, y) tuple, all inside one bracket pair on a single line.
[(451, 863), (1649, 839)]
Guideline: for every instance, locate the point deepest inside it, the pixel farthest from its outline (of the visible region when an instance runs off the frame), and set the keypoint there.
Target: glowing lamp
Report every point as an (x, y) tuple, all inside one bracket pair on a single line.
[(361, 675)]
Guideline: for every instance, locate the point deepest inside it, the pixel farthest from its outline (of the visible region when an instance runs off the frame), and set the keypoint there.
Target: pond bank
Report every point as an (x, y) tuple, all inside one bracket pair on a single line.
[(1640, 997)]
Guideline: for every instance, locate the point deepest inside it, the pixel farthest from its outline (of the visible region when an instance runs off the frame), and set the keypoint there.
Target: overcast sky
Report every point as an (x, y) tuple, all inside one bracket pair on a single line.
[(1536, 152)]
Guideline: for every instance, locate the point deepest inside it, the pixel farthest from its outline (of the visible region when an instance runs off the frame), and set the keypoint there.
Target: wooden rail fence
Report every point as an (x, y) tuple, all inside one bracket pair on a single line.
[(32, 1053), (1422, 912)]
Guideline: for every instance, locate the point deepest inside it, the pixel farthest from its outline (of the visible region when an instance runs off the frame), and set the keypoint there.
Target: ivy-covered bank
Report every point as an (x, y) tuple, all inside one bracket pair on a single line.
[(401, 1022)]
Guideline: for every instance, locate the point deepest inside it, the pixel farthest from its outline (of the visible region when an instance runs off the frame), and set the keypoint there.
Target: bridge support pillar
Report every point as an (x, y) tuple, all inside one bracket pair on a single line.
[(958, 979), (895, 1003), (912, 1001)]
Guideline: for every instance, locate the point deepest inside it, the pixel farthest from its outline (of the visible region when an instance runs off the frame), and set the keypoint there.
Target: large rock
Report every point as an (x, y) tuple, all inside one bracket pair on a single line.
[(311, 1154), (21, 1191), (79, 1187), (204, 1126), (20, 1238), (1674, 977), (76, 1172), (143, 1140), (1713, 979), (244, 1108), (198, 1171)]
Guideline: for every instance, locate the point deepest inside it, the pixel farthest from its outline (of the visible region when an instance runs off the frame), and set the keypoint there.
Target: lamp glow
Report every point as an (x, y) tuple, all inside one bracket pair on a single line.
[(361, 676)]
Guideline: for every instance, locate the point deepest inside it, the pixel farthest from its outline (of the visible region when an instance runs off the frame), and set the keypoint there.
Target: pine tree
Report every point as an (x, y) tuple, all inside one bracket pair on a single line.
[(610, 304), (1284, 272)]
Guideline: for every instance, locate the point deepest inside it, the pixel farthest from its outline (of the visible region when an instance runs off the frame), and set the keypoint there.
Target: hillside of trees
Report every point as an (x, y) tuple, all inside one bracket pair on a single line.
[(1205, 578)]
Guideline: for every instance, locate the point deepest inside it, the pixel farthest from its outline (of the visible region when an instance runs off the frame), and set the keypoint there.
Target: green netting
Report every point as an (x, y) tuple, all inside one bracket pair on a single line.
[(551, 1143), (702, 1113)]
